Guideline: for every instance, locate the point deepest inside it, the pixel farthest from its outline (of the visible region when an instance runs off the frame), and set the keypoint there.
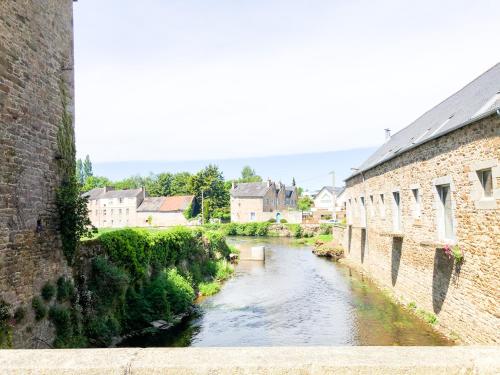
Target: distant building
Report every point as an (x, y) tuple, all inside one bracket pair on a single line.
[(163, 211), (261, 201), (324, 202), (110, 208), (114, 208)]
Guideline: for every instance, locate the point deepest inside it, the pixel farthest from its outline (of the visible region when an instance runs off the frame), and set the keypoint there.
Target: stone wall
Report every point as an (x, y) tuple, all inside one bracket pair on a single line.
[(411, 261), (36, 63)]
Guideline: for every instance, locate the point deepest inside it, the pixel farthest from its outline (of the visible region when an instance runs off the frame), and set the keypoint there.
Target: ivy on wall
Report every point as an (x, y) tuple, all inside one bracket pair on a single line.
[(74, 222)]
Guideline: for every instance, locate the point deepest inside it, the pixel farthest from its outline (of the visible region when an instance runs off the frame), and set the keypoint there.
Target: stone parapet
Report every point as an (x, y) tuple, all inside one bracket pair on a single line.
[(270, 360)]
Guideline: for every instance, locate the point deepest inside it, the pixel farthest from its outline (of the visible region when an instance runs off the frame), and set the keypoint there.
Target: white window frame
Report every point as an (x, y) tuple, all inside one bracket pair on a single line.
[(397, 211), (416, 201), (440, 219), (381, 202), (477, 192)]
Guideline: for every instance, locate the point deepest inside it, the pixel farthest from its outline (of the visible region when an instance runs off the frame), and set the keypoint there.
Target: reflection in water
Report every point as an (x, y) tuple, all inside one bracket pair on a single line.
[(295, 298)]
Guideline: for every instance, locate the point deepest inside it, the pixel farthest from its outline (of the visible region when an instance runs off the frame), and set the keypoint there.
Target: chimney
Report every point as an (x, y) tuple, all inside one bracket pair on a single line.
[(233, 184), (268, 182), (387, 134)]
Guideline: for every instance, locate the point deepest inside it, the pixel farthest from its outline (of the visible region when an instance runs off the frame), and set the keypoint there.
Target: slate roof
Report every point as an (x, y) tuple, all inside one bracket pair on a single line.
[(94, 193), (289, 191), (250, 190), (129, 193), (478, 98), (331, 189), (150, 204)]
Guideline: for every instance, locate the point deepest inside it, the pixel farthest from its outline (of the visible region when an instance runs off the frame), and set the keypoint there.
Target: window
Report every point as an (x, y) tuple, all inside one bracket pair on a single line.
[(416, 203), (120, 200), (126, 211), (396, 211), (362, 211), (372, 206), (104, 212), (381, 203), (445, 212), (120, 212), (252, 216), (111, 213), (486, 179)]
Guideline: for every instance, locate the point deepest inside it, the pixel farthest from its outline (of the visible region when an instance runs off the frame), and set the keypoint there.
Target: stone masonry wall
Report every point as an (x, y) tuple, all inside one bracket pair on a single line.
[(36, 59), (411, 262)]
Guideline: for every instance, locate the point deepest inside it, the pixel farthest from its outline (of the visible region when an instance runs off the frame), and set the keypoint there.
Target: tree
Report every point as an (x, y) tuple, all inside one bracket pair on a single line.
[(87, 168), (305, 203), (181, 184), (210, 182), (248, 175), (133, 182), (80, 177), (160, 185), (93, 182)]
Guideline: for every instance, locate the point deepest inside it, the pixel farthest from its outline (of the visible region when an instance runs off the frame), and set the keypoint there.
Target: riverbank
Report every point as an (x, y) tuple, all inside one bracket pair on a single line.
[(131, 280)]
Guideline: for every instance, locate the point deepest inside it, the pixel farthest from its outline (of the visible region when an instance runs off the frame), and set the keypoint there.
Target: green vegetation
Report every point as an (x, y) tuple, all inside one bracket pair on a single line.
[(48, 291), (325, 238), (209, 289), (427, 316), (241, 229), (74, 222), (248, 175), (140, 276), (65, 290), (39, 308), (422, 314), (305, 203), (5, 326)]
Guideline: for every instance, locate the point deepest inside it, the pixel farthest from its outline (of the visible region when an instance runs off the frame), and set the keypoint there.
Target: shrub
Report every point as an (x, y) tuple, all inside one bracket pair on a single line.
[(48, 291), (39, 308), (283, 221), (325, 228), (107, 282), (180, 293), (5, 327), (295, 230), (65, 289), (272, 220), (209, 289), (224, 270)]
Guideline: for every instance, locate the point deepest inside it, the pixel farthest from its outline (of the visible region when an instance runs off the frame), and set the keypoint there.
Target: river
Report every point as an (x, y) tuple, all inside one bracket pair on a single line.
[(295, 298)]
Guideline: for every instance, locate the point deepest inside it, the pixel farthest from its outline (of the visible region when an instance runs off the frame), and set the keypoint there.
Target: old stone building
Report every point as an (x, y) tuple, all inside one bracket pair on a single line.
[(436, 184), (36, 93), (261, 201)]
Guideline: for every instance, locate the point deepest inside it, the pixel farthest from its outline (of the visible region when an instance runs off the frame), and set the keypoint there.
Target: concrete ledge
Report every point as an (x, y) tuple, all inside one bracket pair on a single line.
[(274, 360)]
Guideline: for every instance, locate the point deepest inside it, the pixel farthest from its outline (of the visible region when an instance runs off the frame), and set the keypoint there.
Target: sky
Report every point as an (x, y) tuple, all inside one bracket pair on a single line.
[(182, 80)]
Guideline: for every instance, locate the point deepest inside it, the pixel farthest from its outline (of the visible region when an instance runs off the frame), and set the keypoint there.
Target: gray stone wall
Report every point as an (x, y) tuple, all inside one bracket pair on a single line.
[(36, 60), (412, 263)]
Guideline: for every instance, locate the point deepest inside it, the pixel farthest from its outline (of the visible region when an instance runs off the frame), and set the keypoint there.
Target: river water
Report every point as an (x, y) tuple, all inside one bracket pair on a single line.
[(295, 298)]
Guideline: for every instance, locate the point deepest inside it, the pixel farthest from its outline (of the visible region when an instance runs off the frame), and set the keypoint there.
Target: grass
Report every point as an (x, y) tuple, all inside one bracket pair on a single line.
[(427, 316), (311, 240), (209, 289)]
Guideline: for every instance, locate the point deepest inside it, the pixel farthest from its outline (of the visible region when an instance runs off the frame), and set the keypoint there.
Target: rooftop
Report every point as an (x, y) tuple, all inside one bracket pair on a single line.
[(476, 99), (166, 204)]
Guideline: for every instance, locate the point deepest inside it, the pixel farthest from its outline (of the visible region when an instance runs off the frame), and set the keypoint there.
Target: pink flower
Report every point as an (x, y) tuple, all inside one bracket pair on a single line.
[(447, 250)]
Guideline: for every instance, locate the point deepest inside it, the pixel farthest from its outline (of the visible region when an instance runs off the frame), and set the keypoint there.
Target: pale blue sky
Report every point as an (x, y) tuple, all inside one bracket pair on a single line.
[(197, 80)]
